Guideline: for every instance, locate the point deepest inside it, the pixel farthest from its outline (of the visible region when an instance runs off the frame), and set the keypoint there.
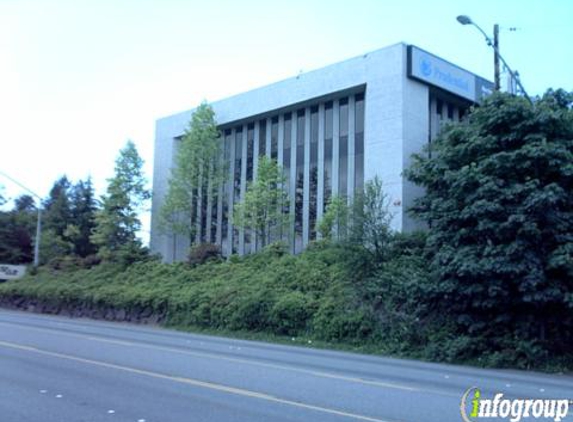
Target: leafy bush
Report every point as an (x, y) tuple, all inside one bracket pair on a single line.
[(290, 313), (203, 252), (498, 198), (315, 295)]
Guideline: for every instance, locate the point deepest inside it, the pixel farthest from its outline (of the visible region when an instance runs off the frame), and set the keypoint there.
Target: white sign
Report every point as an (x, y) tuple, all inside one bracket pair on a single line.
[(438, 72), (12, 272)]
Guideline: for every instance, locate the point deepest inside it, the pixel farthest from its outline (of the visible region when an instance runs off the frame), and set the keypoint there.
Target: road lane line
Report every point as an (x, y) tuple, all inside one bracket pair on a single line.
[(193, 382), (236, 360)]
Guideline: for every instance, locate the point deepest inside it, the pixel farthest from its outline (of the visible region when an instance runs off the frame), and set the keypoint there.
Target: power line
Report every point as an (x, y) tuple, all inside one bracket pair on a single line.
[(21, 185)]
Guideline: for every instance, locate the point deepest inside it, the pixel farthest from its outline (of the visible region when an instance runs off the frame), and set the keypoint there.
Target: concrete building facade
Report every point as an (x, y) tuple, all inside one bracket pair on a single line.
[(331, 130)]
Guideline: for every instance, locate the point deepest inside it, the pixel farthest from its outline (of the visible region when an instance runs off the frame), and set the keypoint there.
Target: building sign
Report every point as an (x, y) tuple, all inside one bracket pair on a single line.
[(432, 70), (12, 272)]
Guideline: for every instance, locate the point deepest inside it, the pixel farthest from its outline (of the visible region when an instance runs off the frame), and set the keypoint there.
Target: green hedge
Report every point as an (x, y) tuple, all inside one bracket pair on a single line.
[(319, 295)]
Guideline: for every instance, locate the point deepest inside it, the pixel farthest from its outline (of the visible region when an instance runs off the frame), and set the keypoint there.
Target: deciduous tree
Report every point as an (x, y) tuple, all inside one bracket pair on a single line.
[(197, 175), (499, 201), (261, 210)]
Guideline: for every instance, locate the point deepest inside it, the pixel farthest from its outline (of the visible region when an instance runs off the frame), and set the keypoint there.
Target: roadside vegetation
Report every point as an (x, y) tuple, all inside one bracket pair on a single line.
[(490, 282)]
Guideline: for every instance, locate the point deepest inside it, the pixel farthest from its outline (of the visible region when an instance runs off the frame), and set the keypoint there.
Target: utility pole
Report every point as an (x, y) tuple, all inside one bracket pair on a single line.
[(496, 56), (38, 221), (466, 20)]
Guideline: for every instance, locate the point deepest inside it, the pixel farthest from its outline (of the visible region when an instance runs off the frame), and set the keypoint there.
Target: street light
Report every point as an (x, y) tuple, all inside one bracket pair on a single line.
[(466, 20), (38, 221)]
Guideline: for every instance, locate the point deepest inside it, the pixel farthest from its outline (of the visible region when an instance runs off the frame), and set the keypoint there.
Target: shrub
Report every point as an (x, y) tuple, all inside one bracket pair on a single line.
[(338, 318), (65, 263), (203, 252), (290, 314), (251, 312)]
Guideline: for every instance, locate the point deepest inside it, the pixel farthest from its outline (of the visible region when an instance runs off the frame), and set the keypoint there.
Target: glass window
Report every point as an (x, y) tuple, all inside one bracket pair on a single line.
[(238, 161), (300, 128), (343, 148), (313, 124), (328, 126), (286, 147), (226, 192), (213, 228), (359, 144), (343, 116), (250, 151), (204, 211), (299, 179), (439, 106), (359, 112), (274, 137), (237, 180), (313, 175), (262, 137), (328, 133)]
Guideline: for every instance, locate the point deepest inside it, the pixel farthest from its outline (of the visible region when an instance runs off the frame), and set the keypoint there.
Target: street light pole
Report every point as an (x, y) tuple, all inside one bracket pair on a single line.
[(496, 56), (38, 233), (38, 221), (466, 20)]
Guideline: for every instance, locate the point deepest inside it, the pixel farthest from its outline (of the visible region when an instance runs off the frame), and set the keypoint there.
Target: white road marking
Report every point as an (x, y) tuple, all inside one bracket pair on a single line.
[(111, 411), (43, 391), (194, 382), (59, 396), (208, 355)]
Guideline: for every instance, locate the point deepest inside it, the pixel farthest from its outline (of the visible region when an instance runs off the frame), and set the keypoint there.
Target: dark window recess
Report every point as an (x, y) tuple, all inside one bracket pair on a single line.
[(328, 134), (299, 199), (250, 151), (238, 162), (439, 107), (213, 228), (226, 188), (274, 137), (262, 137), (359, 144), (204, 212), (300, 129), (286, 148), (313, 174), (343, 148)]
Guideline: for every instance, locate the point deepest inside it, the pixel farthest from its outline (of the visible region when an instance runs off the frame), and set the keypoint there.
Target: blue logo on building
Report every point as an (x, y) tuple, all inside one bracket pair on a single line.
[(425, 67)]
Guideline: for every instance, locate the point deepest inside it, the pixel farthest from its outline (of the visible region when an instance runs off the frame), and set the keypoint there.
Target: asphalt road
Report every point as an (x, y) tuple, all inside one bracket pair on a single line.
[(55, 369)]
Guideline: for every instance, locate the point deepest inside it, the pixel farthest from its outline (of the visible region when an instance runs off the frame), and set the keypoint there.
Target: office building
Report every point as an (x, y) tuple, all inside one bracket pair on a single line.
[(331, 130)]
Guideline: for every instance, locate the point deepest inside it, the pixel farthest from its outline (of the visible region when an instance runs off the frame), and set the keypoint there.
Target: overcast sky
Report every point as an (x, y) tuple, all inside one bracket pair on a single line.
[(78, 78)]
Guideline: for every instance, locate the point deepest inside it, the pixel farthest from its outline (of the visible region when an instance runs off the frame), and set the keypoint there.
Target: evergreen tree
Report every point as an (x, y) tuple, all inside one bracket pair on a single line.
[(17, 231), (25, 203), (57, 211), (83, 210), (117, 223)]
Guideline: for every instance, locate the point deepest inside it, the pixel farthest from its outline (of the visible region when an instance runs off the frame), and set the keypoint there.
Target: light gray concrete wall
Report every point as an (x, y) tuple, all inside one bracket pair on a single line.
[(415, 137), (383, 123), (171, 248), (163, 159)]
